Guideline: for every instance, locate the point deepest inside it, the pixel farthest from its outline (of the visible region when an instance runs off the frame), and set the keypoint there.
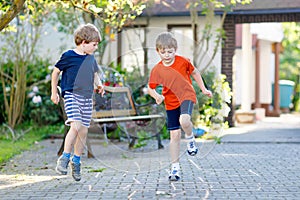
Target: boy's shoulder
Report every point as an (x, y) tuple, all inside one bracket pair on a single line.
[(182, 58), (69, 52)]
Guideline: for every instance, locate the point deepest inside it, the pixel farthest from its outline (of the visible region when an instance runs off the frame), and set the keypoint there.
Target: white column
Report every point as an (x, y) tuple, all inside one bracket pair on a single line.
[(246, 67)]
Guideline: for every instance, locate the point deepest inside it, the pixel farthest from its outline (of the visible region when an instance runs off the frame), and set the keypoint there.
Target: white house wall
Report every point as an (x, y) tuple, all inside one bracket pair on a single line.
[(217, 61), (268, 31), (238, 78), (110, 54), (53, 43), (266, 71), (183, 35), (158, 25), (237, 75)]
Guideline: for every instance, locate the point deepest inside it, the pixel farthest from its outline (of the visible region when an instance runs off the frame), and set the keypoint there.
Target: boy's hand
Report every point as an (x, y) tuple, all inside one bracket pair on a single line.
[(207, 93), (55, 98), (160, 99), (100, 90)]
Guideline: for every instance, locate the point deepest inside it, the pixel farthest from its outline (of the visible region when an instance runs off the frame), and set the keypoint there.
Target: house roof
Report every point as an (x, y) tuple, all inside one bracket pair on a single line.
[(179, 8)]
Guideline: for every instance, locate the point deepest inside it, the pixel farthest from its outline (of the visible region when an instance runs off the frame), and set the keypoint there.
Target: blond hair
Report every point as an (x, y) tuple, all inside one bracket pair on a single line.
[(88, 33), (166, 40)]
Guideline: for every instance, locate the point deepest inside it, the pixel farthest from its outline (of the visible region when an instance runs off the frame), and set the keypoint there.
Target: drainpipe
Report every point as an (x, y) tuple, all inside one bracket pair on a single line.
[(257, 74), (276, 110), (119, 48)]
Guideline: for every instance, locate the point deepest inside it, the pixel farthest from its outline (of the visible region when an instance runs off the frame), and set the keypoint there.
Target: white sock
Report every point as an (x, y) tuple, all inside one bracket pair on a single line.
[(190, 138), (175, 166)]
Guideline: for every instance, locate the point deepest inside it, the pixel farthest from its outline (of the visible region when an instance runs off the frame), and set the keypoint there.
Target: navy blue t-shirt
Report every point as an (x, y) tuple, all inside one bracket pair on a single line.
[(77, 73)]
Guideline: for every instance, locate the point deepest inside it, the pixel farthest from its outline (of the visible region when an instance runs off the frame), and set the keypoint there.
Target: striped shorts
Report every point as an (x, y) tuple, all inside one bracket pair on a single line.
[(78, 108)]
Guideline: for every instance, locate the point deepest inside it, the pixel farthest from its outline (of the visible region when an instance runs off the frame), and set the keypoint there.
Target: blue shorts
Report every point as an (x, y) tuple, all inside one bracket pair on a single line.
[(78, 108), (173, 115)]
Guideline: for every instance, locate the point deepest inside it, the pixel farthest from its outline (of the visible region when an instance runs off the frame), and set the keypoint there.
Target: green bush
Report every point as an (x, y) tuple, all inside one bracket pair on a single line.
[(212, 111), (39, 108)]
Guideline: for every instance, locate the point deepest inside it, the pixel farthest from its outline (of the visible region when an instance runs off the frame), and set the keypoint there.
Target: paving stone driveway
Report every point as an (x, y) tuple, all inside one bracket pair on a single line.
[(254, 165)]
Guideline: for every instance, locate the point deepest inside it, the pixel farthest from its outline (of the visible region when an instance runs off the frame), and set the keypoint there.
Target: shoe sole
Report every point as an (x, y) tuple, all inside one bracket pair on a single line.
[(60, 172), (174, 178), (192, 153), (76, 179)]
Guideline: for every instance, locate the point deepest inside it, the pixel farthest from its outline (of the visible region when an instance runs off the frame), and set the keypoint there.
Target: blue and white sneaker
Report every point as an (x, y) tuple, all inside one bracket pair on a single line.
[(174, 175), (75, 168), (192, 148)]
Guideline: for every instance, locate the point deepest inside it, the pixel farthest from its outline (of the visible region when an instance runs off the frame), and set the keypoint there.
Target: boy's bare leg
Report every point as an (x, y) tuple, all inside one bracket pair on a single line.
[(71, 136), (63, 161), (78, 150), (175, 136), (186, 124), (80, 141)]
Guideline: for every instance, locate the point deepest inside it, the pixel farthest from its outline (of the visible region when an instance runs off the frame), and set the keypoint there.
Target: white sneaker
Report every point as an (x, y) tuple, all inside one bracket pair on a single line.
[(192, 148), (174, 175)]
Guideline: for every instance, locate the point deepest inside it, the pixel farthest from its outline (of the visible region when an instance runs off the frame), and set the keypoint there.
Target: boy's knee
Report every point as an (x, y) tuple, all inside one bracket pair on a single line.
[(185, 120)]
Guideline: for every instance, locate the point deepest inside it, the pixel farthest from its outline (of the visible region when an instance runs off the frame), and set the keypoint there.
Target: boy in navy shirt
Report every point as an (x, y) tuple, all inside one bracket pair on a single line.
[(79, 76)]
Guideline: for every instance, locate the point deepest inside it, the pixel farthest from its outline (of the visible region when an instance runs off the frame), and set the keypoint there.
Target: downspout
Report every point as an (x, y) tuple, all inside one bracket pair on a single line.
[(257, 74), (276, 110)]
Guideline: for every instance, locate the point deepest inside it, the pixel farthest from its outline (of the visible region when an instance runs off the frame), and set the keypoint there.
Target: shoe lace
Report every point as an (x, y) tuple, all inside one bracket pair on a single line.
[(64, 162), (191, 145), (76, 168)]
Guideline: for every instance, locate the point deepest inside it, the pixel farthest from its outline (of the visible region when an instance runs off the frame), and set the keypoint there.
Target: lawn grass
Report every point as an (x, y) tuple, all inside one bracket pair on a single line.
[(10, 147)]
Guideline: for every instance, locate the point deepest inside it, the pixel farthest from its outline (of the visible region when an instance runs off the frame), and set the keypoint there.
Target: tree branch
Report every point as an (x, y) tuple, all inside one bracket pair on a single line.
[(11, 13)]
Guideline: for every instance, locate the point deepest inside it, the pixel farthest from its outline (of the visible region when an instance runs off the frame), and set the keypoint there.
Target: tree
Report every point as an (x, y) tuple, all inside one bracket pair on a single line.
[(208, 8), (21, 40), (115, 13), (109, 16), (22, 34), (8, 11)]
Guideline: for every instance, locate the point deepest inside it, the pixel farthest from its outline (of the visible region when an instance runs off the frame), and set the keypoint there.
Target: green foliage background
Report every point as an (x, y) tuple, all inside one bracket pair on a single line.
[(290, 59)]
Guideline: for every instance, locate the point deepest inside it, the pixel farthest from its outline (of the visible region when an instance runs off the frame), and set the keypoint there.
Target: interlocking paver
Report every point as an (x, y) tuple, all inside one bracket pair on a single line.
[(253, 165)]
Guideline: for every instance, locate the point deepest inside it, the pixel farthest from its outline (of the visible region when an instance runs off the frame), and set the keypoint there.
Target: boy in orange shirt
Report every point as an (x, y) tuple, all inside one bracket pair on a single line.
[(173, 73)]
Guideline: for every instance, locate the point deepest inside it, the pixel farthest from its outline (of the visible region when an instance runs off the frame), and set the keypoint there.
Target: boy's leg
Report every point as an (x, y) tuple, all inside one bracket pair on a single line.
[(63, 160), (175, 136), (72, 136), (80, 140), (78, 150), (187, 126)]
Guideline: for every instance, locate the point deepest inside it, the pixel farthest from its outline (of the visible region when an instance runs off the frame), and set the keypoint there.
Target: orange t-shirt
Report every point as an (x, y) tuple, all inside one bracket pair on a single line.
[(176, 81)]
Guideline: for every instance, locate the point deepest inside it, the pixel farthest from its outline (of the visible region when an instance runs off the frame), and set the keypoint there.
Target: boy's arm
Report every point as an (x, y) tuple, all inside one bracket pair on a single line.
[(158, 98), (98, 84), (197, 76), (54, 82)]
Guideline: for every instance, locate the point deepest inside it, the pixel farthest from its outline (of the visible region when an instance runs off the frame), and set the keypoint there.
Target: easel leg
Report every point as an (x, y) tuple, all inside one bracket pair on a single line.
[(90, 153)]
